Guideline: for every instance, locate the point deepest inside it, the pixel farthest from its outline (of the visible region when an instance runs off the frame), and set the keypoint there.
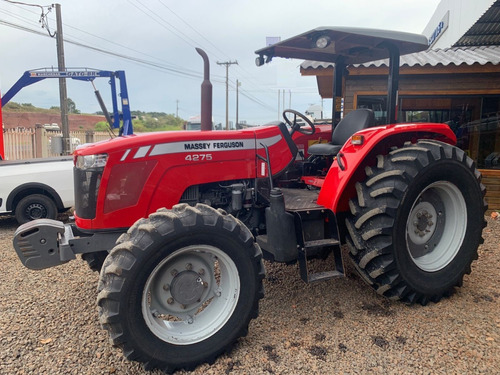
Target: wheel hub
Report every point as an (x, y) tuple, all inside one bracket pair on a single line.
[(36, 211), (187, 287), (423, 224), (190, 294), (436, 226)]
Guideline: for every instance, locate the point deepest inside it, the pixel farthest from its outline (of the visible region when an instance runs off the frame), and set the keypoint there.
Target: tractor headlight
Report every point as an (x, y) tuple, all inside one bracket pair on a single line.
[(91, 161)]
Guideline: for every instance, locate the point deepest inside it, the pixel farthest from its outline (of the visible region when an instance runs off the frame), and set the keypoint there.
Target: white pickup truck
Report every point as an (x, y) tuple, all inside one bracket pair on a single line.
[(36, 188)]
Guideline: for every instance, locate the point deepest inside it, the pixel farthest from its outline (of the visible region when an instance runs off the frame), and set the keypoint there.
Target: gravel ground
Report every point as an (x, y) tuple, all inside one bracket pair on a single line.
[(48, 324)]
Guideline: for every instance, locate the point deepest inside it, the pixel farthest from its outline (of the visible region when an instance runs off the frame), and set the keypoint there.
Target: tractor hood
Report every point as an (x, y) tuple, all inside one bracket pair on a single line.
[(351, 44)]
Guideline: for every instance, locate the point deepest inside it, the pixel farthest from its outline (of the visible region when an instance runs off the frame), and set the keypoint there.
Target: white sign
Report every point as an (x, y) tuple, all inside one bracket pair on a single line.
[(440, 29)]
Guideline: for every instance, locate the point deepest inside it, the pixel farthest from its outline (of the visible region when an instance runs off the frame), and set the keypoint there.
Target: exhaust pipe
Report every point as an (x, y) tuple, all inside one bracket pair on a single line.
[(206, 93)]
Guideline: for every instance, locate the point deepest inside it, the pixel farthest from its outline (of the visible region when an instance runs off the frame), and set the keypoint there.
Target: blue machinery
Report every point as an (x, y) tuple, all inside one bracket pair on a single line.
[(85, 74)]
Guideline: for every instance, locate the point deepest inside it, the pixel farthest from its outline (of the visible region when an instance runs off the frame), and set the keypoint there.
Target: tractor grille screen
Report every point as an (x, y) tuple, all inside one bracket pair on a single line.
[(86, 190)]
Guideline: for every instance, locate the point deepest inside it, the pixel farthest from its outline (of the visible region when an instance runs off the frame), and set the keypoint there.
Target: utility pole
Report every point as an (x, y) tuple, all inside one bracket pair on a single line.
[(238, 84), (227, 63), (63, 94), (177, 108)]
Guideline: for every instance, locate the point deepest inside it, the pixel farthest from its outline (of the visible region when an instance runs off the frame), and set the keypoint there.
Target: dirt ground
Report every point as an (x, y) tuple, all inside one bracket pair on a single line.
[(48, 324)]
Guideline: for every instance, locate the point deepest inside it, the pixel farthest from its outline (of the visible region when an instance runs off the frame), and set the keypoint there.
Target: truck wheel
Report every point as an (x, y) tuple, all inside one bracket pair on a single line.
[(417, 221), (35, 206), (180, 287)]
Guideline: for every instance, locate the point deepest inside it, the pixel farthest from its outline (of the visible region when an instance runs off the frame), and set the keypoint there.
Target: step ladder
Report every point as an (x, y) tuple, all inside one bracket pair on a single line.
[(316, 231), (308, 246)]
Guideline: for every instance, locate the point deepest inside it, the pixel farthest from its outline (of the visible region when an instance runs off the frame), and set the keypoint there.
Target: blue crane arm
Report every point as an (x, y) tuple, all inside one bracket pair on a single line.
[(24, 81), (32, 76)]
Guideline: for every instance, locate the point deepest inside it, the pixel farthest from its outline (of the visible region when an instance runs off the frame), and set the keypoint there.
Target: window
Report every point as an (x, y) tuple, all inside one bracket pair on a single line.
[(475, 120)]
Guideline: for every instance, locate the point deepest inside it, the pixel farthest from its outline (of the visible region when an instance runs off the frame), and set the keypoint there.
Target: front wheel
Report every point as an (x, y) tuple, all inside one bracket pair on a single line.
[(35, 206), (417, 221), (181, 287)]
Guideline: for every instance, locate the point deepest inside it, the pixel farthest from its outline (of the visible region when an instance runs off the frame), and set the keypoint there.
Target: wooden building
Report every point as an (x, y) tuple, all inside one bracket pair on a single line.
[(459, 86)]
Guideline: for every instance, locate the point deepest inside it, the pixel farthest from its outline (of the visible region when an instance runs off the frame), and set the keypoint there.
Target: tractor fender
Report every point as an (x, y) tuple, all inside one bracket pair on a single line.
[(349, 165)]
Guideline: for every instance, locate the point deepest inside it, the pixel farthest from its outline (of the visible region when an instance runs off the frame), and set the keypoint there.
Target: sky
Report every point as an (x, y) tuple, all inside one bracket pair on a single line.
[(154, 42)]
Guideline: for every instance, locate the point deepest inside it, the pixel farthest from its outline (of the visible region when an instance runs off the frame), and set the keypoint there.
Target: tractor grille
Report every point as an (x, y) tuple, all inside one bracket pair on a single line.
[(191, 195), (86, 191)]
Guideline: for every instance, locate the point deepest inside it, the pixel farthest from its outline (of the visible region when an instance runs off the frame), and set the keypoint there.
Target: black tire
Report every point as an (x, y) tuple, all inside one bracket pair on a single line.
[(174, 266), (95, 260), (417, 221), (35, 206)]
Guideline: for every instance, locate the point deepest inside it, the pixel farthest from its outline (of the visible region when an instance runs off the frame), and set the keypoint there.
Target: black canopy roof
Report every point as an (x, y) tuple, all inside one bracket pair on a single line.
[(355, 45)]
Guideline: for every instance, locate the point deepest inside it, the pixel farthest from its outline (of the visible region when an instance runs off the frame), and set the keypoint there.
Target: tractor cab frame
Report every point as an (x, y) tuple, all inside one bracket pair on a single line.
[(347, 45)]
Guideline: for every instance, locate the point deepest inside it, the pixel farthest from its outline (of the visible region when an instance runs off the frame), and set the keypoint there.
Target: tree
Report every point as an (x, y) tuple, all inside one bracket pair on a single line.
[(72, 107), (101, 126)]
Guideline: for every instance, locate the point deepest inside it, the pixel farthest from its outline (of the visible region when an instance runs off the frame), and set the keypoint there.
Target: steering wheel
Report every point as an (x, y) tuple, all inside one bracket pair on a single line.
[(296, 126)]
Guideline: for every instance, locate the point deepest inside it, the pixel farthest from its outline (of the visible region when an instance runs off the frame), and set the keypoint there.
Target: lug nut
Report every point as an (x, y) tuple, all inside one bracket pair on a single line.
[(189, 266), (166, 287), (174, 272), (170, 300), (201, 272)]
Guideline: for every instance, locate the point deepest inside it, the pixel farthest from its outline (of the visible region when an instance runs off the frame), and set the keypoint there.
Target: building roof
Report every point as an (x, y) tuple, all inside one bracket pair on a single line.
[(479, 45), (485, 32), (448, 56)]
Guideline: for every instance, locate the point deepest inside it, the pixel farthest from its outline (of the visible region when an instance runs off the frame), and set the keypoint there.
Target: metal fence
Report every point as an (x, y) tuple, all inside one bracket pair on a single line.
[(28, 143)]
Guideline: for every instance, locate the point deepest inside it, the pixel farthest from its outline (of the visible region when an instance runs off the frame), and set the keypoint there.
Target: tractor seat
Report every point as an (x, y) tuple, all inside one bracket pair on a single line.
[(353, 122)]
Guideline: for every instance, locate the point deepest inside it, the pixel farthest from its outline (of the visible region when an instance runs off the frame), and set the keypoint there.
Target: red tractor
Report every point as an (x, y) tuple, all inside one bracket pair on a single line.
[(179, 222)]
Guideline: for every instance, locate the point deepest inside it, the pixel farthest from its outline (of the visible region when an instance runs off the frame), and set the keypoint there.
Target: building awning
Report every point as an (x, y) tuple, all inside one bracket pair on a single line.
[(448, 56)]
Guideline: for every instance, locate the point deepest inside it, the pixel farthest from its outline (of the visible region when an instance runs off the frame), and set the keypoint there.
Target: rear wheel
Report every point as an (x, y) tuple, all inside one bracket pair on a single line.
[(35, 206), (416, 223), (181, 287)]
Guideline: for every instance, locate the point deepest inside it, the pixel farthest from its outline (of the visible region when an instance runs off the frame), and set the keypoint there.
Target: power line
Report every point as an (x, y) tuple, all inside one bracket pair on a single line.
[(150, 64), (164, 23), (131, 58), (191, 27), (248, 77), (43, 17), (195, 74), (164, 66)]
